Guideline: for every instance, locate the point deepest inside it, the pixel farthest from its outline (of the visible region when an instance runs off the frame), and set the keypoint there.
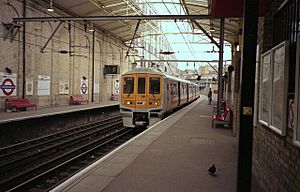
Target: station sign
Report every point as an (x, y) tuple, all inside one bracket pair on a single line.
[(84, 89), (8, 84), (116, 87)]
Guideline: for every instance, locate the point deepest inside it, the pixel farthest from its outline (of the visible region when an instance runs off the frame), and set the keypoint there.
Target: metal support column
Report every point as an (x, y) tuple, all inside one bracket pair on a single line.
[(24, 52), (220, 72), (247, 82)]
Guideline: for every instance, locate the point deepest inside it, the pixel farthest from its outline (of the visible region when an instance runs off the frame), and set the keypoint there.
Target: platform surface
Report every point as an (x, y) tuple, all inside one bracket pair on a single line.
[(172, 156), (47, 111)]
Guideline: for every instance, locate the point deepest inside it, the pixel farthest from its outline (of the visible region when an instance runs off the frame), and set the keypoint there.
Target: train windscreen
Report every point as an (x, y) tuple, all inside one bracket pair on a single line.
[(154, 85), (141, 85), (128, 86)]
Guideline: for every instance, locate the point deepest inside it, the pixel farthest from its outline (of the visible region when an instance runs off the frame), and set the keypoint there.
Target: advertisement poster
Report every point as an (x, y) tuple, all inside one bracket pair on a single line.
[(264, 94), (43, 85), (279, 88), (8, 84), (64, 87), (29, 87)]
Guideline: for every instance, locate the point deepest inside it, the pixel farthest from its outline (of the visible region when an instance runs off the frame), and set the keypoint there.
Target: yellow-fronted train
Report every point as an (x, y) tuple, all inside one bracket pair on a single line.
[(148, 94)]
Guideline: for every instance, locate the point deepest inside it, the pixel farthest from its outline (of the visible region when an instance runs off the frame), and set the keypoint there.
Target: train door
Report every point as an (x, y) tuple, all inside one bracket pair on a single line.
[(128, 88), (141, 90)]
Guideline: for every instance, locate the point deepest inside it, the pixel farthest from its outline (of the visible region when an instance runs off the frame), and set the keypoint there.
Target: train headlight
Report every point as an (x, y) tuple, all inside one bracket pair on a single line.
[(128, 102), (155, 103)]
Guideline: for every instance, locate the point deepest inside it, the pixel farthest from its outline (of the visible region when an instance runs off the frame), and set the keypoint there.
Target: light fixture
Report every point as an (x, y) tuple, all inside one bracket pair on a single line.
[(166, 52), (212, 29), (91, 28), (8, 70), (50, 8)]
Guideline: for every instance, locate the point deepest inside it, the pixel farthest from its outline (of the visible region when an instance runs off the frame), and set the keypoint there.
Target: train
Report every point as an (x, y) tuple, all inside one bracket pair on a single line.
[(148, 94)]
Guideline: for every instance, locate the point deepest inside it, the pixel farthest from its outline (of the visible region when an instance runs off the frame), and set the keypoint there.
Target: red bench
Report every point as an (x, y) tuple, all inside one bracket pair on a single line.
[(15, 104), (77, 100), (223, 119)]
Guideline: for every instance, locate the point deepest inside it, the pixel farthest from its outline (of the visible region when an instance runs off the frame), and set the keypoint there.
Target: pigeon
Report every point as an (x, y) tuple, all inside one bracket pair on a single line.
[(212, 170)]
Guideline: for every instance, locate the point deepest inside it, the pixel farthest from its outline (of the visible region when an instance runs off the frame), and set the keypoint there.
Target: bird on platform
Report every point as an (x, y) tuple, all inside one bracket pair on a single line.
[(212, 170)]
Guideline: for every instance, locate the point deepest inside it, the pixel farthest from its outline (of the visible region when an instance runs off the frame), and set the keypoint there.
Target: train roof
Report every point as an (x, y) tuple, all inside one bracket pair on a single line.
[(143, 70)]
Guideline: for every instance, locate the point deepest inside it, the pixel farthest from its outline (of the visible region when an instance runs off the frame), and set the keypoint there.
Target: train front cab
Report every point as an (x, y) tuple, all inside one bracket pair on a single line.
[(141, 99)]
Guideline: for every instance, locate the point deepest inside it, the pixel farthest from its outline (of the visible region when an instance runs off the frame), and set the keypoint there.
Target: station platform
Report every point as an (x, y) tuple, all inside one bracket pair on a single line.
[(171, 156), (6, 117)]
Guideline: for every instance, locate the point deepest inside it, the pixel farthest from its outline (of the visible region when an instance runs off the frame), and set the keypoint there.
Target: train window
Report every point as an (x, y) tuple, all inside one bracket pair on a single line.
[(128, 86), (154, 85), (141, 85)]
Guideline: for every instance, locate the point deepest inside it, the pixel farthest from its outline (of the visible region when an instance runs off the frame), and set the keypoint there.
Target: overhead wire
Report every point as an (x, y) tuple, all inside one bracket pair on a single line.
[(189, 47)]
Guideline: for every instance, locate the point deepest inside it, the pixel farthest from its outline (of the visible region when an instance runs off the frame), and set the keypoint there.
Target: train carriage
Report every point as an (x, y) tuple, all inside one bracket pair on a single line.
[(147, 94)]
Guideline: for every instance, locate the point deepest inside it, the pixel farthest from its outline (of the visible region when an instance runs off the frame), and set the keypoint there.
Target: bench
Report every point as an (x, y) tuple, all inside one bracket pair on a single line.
[(16, 104), (77, 100), (223, 119)]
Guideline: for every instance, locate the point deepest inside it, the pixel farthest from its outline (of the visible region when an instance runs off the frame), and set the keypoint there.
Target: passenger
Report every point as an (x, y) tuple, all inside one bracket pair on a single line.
[(209, 95)]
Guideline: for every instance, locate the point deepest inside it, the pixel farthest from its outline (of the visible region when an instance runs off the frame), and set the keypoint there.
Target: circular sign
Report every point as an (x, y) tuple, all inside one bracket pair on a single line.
[(83, 87), (7, 87)]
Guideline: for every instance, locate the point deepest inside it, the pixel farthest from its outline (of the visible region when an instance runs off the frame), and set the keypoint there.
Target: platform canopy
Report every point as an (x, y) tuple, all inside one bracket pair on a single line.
[(231, 10), (125, 29)]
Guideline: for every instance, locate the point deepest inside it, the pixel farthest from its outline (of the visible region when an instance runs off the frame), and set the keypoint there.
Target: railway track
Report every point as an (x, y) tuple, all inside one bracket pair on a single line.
[(41, 164)]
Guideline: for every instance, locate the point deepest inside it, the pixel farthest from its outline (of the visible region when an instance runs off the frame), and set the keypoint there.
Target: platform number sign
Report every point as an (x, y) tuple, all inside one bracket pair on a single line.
[(8, 85), (84, 87)]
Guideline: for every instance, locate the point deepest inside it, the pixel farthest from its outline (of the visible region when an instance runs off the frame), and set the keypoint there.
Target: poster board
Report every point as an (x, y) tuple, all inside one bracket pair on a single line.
[(29, 87), (256, 86), (296, 130), (279, 84), (274, 88), (43, 85), (64, 87), (264, 101), (96, 88)]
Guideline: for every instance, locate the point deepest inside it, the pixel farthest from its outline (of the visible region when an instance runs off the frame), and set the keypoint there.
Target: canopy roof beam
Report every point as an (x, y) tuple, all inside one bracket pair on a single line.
[(113, 18)]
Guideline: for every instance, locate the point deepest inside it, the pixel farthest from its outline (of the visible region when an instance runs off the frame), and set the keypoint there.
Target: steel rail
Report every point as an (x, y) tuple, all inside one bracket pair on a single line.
[(7, 152), (66, 139), (111, 137), (26, 174)]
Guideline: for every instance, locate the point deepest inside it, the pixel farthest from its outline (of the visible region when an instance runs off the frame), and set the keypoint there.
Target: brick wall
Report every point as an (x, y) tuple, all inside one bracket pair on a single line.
[(276, 160), (59, 67)]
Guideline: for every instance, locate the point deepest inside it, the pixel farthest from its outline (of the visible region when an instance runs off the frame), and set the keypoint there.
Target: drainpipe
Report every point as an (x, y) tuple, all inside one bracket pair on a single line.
[(24, 56), (220, 72), (93, 65)]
